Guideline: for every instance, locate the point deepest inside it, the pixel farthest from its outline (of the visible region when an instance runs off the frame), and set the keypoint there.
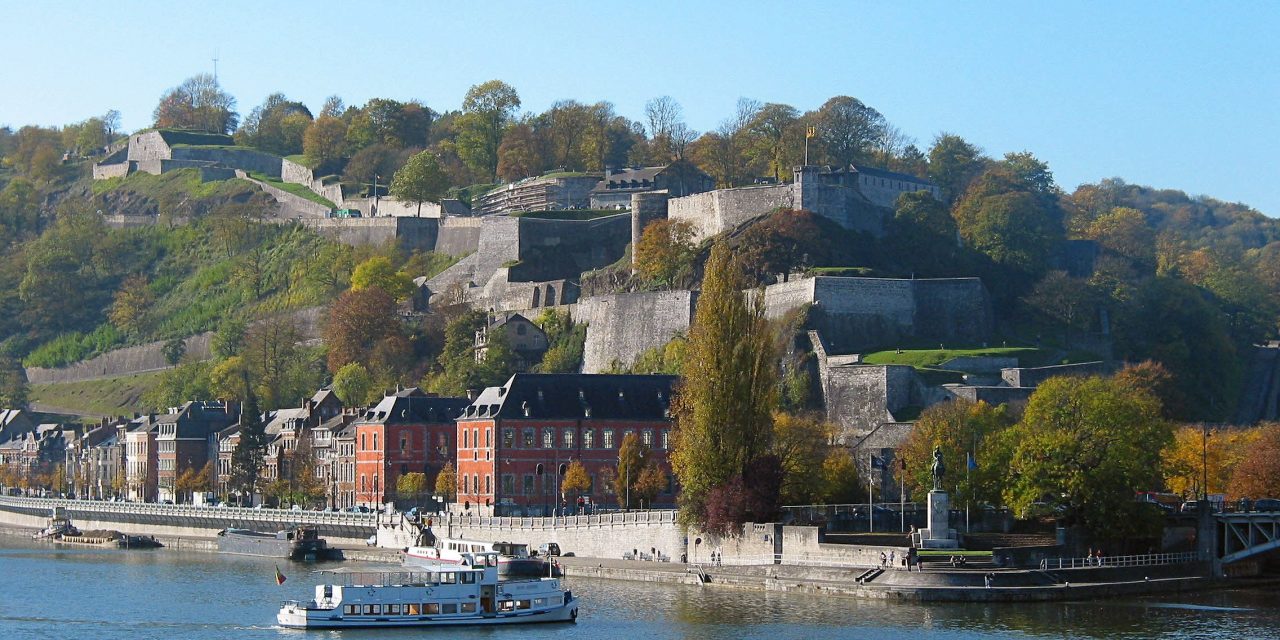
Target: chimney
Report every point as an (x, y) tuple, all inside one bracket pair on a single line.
[(472, 394)]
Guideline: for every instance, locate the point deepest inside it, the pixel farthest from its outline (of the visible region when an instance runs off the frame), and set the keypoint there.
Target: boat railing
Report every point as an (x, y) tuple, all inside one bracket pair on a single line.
[(393, 578)]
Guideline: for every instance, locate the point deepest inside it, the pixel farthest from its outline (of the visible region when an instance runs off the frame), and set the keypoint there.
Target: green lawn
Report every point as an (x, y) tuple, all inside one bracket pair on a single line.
[(108, 397), (932, 358), (295, 189)]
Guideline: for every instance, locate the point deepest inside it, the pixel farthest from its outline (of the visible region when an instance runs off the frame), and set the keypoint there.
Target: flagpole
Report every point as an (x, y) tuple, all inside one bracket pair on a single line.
[(871, 507)]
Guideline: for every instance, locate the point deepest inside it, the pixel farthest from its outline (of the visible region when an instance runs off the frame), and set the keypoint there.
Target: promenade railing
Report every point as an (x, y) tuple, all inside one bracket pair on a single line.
[(656, 517), (1143, 560), (289, 516)]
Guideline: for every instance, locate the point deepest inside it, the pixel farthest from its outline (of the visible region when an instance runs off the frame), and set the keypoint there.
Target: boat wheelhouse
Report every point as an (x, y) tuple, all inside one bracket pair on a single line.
[(467, 594), (514, 560)]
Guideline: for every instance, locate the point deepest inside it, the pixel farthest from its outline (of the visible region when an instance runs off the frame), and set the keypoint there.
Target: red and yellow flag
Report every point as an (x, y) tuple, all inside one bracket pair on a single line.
[(279, 576)]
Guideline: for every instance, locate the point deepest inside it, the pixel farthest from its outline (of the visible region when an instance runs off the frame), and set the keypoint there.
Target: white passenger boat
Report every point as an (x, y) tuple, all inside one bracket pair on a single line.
[(514, 560), (466, 594)]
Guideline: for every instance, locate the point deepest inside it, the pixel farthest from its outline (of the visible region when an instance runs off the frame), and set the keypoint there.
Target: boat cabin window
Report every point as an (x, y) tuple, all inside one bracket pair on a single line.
[(448, 577), (449, 608), (351, 609), (468, 607), (506, 605), (328, 591), (393, 609), (372, 609), (539, 602), (469, 578), (431, 608), (522, 604), (412, 609)]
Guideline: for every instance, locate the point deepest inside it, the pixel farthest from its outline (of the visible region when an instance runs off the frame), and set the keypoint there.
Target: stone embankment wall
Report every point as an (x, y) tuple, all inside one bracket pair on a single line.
[(291, 206), (243, 159), (415, 234), (805, 545), (150, 356), (599, 536), (295, 173)]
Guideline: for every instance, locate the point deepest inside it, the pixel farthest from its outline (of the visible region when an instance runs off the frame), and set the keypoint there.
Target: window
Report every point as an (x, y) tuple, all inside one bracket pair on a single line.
[(375, 442), (404, 469), (363, 443), (508, 438), (475, 438), (666, 439), (466, 439), (488, 484), (508, 484), (528, 485), (393, 609), (351, 609), (588, 438), (412, 609), (608, 439), (403, 444), (468, 607), (646, 437), (548, 438), (431, 608), (529, 438), (469, 578), (363, 487), (568, 438), (488, 437), (449, 608)]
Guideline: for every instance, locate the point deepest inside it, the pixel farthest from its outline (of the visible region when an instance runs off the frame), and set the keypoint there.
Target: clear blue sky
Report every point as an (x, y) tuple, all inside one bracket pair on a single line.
[(1171, 94)]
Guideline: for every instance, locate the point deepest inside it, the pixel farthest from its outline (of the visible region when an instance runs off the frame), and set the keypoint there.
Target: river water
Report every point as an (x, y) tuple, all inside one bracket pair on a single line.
[(99, 594)]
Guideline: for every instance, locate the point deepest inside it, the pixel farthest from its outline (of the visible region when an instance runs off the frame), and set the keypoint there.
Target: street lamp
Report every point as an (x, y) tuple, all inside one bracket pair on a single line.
[(1204, 461)]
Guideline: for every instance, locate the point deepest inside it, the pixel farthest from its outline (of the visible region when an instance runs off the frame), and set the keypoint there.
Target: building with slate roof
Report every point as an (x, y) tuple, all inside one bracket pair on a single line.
[(680, 178), (407, 432), (515, 441), (186, 439)]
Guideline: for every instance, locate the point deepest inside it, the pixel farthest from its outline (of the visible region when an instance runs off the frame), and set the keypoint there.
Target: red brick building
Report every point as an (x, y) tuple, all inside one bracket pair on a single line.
[(516, 441), (408, 432)]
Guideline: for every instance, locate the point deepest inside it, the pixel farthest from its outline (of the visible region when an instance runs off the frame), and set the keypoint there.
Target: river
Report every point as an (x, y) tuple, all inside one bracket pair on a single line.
[(60, 592)]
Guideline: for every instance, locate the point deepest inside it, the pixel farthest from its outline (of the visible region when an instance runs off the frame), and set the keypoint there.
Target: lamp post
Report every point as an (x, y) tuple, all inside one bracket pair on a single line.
[(1204, 461)]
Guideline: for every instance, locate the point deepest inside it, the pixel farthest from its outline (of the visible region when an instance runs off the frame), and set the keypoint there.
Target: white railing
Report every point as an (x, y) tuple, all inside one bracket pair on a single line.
[(807, 560), (369, 520), (551, 522), (1144, 560)]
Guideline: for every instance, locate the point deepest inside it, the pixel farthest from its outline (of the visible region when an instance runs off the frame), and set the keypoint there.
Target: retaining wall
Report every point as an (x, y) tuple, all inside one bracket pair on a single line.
[(715, 211), (804, 545), (600, 536), (621, 326)]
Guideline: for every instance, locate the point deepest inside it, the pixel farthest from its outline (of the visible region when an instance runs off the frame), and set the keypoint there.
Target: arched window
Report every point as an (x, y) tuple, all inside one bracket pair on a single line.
[(551, 296)]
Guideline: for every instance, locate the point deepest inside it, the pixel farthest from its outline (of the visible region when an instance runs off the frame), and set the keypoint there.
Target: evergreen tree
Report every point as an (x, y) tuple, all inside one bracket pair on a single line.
[(247, 458)]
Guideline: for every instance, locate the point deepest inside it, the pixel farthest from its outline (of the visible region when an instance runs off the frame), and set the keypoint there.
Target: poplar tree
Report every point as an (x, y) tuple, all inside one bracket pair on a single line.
[(722, 410)]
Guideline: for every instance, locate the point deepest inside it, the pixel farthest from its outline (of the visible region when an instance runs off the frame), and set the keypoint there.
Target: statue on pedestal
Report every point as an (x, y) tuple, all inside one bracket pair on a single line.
[(938, 468)]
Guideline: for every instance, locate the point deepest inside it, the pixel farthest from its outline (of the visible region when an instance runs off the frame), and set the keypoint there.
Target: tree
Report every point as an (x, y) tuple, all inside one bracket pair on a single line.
[(848, 130), (782, 243), (198, 103), (1065, 300), (353, 384), (631, 461), (359, 320), (1258, 473), (324, 142), (1198, 451), (575, 481), (953, 164), (801, 443), (447, 483), (411, 487), (651, 482), (130, 305), (1011, 214), (1126, 232), (486, 110), (666, 252), (778, 138), (13, 384), (722, 410), (228, 341), (420, 180), (174, 350), (378, 272), (276, 126), (1087, 445), (961, 429), (518, 155), (247, 457), (304, 485)]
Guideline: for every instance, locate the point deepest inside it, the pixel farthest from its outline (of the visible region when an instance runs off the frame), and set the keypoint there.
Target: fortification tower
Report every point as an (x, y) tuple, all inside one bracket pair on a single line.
[(645, 208)]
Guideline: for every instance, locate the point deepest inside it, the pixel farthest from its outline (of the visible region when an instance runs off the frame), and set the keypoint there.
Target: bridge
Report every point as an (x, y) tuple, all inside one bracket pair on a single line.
[(147, 518), (1241, 536)]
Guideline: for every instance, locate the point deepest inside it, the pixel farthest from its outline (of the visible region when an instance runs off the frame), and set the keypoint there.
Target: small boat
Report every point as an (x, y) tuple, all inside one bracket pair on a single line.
[(443, 596), (297, 543), (58, 525), (514, 560)]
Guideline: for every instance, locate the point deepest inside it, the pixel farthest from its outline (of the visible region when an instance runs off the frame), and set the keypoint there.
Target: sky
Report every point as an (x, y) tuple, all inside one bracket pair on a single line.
[(1180, 95)]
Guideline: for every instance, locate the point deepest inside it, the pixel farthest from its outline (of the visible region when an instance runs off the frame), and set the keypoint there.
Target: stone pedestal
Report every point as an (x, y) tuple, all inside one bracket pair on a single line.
[(939, 535)]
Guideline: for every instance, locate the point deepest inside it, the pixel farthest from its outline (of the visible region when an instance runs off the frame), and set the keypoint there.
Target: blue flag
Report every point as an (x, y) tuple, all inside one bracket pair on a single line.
[(973, 462)]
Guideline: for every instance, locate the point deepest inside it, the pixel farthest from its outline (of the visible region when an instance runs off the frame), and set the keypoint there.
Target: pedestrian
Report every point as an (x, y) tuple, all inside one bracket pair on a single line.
[(892, 563), (653, 554), (883, 559), (988, 578)]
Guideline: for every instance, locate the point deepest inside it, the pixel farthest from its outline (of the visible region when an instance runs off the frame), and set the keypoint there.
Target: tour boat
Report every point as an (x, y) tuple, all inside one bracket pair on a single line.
[(297, 543), (514, 560), (447, 595)]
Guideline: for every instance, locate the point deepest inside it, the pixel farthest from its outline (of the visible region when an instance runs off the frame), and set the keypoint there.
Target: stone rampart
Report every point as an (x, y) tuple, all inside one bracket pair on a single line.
[(417, 234), (716, 211), (104, 170), (291, 206), (805, 545), (1033, 376), (295, 173), (458, 236), (623, 325), (148, 146), (243, 159)]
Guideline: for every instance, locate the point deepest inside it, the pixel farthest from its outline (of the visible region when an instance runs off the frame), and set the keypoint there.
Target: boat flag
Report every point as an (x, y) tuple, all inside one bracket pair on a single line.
[(279, 576)]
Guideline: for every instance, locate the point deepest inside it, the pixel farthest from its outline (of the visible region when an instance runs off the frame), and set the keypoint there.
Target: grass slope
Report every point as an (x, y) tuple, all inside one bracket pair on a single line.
[(108, 396)]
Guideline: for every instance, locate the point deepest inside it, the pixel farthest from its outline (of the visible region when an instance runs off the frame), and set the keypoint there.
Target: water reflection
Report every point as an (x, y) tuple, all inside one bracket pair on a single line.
[(109, 594)]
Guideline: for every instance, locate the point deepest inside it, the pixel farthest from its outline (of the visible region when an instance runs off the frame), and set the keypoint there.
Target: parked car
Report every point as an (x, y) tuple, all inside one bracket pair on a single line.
[(548, 549), (1266, 504)]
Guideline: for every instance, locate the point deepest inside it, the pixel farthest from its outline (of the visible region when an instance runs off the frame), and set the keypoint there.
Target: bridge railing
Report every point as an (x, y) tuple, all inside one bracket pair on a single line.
[(188, 511), (548, 522), (1144, 560)]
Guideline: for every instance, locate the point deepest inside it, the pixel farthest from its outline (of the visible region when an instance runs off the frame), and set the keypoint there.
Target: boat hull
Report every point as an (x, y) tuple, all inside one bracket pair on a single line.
[(302, 618), (265, 545)]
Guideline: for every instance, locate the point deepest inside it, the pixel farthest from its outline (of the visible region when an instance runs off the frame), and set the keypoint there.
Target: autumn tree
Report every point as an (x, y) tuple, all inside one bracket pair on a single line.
[(324, 143), (1064, 300), (722, 409), (198, 103), (518, 155), (359, 320), (779, 138), (1011, 214), (131, 304), (632, 456), (486, 110), (666, 251), (447, 483), (575, 481), (1200, 451), (923, 234), (651, 482), (277, 126), (1257, 474), (963, 430), (848, 130), (411, 487), (953, 164), (1087, 445), (802, 443), (420, 180)]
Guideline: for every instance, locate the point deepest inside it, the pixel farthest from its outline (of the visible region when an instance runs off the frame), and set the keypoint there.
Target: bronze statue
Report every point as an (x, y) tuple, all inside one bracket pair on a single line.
[(938, 468)]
